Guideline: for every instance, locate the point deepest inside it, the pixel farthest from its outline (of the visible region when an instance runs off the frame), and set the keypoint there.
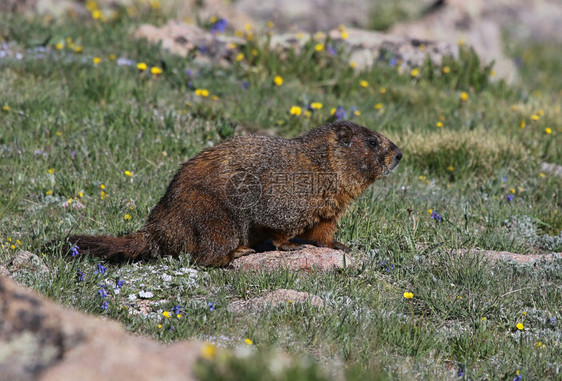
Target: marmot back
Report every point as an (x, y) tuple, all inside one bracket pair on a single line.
[(249, 189)]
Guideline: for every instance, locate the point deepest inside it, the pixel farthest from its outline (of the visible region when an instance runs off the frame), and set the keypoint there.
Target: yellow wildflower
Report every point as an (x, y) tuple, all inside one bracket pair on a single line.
[(541, 174), (127, 216), (316, 105), (378, 106), (248, 341), (295, 110), (112, 57), (6, 108), (159, 326), (333, 111), (415, 72), (202, 92), (128, 173), (166, 314), (464, 96), (248, 27), (69, 201), (319, 47), (363, 83), (239, 57), (12, 246), (492, 73), (270, 24), (155, 4), (430, 211), (80, 194), (522, 124), (356, 112), (548, 130), (540, 112), (352, 64), (422, 178), (278, 80), (208, 351), (446, 70), (96, 60), (156, 70), (179, 316), (59, 45), (484, 318), (535, 117), (408, 295), (383, 90), (439, 124), (520, 326), (319, 36), (49, 192), (307, 113), (102, 186), (450, 168), (141, 66), (214, 97), (512, 190), (50, 171), (96, 14), (255, 52), (103, 195)]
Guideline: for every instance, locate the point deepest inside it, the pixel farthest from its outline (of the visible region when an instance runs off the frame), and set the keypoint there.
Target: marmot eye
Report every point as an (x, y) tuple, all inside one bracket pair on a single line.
[(373, 143)]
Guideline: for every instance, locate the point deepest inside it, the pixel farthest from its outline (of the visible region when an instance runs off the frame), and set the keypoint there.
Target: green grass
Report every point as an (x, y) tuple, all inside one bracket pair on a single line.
[(71, 126)]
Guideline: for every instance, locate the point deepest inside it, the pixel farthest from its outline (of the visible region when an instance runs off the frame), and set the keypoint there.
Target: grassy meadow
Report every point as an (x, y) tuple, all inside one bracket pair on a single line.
[(89, 140)]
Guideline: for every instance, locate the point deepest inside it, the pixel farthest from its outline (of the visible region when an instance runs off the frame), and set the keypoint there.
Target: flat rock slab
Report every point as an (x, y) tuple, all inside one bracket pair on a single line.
[(507, 256), (273, 299), (40, 340), (308, 259)]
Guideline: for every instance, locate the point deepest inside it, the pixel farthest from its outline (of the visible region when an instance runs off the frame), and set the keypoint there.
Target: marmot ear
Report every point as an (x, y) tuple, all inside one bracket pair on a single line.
[(344, 135)]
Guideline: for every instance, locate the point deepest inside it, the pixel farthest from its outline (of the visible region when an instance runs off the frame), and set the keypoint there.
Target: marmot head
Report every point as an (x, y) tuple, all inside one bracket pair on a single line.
[(365, 151)]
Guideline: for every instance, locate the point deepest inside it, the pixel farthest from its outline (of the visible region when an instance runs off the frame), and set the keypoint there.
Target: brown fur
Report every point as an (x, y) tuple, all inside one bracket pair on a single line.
[(248, 189)]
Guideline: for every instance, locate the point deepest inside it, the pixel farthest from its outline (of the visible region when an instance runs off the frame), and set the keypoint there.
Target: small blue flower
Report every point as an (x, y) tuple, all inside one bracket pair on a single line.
[(509, 197), (460, 372), (80, 275), (203, 49), (102, 293), (104, 305), (340, 113), (436, 216), (505, 178), (219, 26), (176, 310), (120, 283), (244, 85), (188, 72), (518, 378), (331, 51), (393, 61), (101, 269), (74, 250), (211, 306)]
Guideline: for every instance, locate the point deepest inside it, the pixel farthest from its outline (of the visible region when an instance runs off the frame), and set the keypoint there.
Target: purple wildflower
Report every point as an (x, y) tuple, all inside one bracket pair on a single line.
[(120, 283), (74, 250), (331, 51), (203, 49), (509, 197), (211, 306), (219, 26), (176, 310), (340, 113), (101, 269), (505, 178), (460, 372), (393, 61), (244, 85), (80, 275), (518, 378), (104, 305), (436, 216), (102, 293), (188, 72)]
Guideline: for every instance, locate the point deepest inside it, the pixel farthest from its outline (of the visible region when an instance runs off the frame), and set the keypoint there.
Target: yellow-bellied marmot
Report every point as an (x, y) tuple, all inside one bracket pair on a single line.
[(249, 189)]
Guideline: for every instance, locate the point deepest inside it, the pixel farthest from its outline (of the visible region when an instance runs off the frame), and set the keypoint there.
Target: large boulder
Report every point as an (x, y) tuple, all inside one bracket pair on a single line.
[(40, 340)]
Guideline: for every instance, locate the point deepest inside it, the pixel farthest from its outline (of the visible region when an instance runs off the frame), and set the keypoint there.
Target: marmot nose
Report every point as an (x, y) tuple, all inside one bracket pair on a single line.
[(399, 155)]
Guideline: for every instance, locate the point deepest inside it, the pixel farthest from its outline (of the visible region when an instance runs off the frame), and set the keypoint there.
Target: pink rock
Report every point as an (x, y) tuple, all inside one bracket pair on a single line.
[(309, 259)]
